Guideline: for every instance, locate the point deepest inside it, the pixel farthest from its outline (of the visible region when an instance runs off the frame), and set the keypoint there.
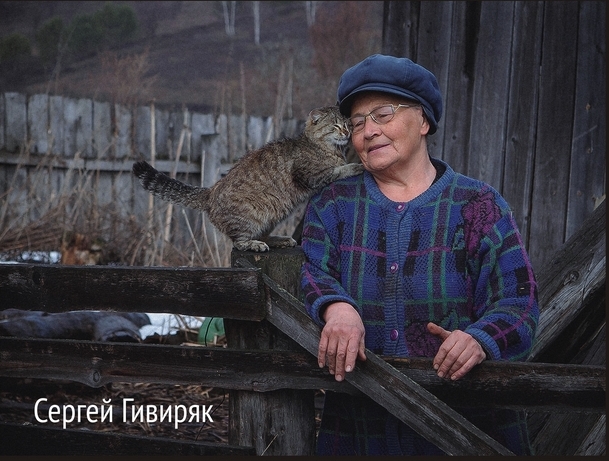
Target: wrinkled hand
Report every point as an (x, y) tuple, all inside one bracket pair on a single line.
[(458, 354), (342, 339)]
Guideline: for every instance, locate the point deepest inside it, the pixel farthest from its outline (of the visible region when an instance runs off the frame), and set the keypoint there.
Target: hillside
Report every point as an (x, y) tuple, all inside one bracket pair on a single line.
[(183, 55)]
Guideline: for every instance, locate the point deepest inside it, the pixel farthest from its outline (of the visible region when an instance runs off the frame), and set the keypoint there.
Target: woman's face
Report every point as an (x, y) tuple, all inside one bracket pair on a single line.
[(392, 147)]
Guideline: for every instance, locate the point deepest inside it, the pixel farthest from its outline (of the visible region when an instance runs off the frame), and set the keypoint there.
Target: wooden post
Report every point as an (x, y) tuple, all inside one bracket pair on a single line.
[(278, 422)]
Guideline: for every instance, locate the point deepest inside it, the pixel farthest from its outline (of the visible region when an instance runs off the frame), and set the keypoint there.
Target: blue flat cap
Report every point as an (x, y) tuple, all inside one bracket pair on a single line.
[(399, 76)]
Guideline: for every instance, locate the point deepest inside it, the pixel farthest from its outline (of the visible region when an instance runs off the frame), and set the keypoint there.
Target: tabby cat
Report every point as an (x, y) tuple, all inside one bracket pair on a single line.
[(265, 185)]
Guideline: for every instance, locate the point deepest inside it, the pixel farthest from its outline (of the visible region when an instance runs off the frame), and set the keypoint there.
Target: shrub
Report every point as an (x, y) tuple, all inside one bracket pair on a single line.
[(49, 39), (106, 28), (14, 46)]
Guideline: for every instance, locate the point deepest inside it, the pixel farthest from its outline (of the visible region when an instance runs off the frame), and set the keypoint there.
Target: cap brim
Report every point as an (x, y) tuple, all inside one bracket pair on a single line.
[(345, 105)]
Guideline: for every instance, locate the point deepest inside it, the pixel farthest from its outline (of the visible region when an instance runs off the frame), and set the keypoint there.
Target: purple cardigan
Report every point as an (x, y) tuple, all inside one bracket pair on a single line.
[(452, 256)]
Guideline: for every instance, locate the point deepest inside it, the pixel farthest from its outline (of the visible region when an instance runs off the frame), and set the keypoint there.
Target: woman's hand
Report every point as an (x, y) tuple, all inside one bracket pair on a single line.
[(342, 339), (458, 354)]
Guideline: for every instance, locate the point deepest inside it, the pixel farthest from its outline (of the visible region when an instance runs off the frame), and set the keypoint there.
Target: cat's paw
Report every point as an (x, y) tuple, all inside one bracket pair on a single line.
[(352, 169), (276, 241), (251, 245)]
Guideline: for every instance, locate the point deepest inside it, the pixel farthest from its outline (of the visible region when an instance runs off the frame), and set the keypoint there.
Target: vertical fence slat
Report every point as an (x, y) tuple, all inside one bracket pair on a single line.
[(142, 132), (201, 125), (16, 121), (38, 123), (102, 130), (57, 125), (279, 422), (123, 132)]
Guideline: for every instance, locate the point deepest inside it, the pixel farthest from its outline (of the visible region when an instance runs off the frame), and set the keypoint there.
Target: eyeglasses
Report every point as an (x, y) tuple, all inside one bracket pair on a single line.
[(380, 115)]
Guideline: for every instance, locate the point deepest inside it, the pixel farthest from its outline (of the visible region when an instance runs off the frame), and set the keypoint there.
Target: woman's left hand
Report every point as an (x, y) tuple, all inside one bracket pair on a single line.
[(458, 354)]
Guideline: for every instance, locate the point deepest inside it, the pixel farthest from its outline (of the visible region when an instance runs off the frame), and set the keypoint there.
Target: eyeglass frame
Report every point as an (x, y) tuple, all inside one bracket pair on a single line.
[(394, 108)]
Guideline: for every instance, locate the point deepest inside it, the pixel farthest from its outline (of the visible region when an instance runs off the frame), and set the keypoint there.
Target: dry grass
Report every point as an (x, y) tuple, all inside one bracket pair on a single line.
[(43, 205)]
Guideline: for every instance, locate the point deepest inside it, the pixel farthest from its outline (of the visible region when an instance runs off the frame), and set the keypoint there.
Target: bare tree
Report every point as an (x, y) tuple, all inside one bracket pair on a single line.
[(229, 17), (256, 8), (310, 7)]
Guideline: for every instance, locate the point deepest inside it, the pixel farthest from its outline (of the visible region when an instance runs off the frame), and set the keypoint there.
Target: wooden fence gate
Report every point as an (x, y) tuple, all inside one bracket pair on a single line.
[(270, 363)]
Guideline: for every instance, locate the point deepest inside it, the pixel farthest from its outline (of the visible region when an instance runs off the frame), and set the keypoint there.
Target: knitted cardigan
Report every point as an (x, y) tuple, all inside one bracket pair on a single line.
[(452, 256)]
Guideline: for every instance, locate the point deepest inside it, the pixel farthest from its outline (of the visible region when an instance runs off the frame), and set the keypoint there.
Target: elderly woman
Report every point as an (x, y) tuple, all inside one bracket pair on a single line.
[(411, 259)]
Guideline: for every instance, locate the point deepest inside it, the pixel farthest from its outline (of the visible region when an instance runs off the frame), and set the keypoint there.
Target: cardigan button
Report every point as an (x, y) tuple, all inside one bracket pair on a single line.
[(394, 335), (400, 207), (393, 268)]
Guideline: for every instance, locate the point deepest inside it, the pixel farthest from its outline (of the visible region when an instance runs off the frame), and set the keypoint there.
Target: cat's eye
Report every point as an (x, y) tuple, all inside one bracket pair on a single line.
[(380, 115)]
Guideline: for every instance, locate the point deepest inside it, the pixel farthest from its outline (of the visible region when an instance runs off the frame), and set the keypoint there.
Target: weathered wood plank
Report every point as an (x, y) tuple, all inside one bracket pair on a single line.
[(230, 293), (401, 396), (123, 132), (433, 49), (102, 131), (489, 108), (38, 123), (457, 94), (78, 127), (575, 272), (2, 122), (588, 157), (280, 422), (592, 444), (554, 130), (113, 166), (498, 384), (57, 126), (518, 170), (15, 112), (50, 441)]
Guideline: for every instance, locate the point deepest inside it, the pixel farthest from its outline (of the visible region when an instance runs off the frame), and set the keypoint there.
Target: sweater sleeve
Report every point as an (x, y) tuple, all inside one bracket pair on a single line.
[(505, 294), (320, 274)]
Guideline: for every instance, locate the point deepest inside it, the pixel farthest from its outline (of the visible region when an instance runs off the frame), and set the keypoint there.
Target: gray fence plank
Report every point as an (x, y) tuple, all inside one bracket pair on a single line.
[(142, 132), (123, 118), (38, 123), (102, 130), (201, 125), (16, 121), (78, 127), (57, 125)]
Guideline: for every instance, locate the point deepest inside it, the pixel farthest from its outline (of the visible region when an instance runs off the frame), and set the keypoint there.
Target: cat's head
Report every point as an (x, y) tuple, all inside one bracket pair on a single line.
[(328, 125)]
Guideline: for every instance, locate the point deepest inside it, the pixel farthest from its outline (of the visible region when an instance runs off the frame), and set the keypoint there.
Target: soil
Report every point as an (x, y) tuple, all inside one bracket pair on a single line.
[(18, 397)]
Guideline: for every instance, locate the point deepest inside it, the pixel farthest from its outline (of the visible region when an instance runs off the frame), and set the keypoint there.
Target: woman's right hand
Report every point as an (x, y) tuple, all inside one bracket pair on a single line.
[(342, 339)]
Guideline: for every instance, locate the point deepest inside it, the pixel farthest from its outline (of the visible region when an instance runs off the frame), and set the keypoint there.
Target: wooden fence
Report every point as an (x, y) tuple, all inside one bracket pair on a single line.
[(67, 137), (270, 363)]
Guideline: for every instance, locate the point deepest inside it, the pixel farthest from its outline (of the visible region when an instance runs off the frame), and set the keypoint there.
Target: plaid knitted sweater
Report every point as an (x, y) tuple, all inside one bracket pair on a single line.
[(452, 256)]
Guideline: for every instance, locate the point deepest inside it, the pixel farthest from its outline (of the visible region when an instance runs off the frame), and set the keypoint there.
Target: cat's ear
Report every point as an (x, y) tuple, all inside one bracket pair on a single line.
[(315, 115)]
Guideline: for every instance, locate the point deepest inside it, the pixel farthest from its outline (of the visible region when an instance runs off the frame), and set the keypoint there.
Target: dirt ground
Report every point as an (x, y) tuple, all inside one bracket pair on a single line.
[(18, 397)]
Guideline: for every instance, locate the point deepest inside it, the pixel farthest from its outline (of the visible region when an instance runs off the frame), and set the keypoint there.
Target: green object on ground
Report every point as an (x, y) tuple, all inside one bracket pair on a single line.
[(210, 328)]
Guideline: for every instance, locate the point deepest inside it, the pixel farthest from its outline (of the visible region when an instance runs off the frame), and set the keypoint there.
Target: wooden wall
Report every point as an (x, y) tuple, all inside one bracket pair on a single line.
[(524, 102)]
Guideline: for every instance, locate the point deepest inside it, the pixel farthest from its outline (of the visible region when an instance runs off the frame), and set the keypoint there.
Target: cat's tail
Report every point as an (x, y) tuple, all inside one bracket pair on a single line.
[(169, 189)]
